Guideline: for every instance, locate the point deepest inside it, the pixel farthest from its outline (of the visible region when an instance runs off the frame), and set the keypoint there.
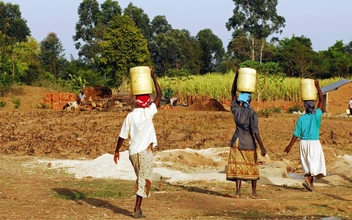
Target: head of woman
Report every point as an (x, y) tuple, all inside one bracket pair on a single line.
[(142, 101), (245, 99), (309, 105)]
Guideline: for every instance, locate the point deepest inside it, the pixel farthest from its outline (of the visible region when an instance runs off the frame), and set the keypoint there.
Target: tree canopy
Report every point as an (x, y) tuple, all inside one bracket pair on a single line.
[(13, 29), (258, 19), (123, 47), (52, 54)]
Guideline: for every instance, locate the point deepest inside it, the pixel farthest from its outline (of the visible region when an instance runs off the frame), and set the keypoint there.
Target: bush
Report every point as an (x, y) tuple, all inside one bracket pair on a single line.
[(16, 102), (265, 113), (277, 110), (2, 103), (296, 108), (6, 82)]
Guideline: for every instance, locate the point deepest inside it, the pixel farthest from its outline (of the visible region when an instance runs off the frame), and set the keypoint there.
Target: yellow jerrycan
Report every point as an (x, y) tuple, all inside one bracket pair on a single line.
[(246, 80), (141, 81), (308, 90)]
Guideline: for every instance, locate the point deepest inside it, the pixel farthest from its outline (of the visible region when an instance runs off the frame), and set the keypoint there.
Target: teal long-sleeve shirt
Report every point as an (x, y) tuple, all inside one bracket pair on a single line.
[(308, 126)]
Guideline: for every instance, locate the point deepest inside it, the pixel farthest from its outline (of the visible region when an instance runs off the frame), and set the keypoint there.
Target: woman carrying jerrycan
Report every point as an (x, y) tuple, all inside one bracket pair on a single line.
[(308, 129), (243, 158)]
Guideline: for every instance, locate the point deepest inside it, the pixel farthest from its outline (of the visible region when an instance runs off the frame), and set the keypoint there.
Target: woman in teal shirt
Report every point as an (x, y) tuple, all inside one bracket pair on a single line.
[(311, 151)]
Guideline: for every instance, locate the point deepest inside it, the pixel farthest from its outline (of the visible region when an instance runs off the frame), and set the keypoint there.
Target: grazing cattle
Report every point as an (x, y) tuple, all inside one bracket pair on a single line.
[(71, 106)]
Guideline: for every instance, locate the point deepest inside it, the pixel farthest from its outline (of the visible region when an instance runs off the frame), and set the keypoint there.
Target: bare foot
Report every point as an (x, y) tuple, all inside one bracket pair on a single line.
[(255, 197)]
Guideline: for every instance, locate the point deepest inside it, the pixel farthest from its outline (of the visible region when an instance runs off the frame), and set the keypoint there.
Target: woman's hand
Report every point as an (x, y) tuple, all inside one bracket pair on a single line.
[(316, 83), (287, 149), (151, 72), (263, 153), (116, 157)]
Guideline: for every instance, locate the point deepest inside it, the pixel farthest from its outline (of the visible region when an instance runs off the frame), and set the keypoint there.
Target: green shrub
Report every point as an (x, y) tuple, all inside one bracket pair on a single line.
[(265, 113), (6, 82), (2, 103), (16, 102), (277, 110), (295, 108)]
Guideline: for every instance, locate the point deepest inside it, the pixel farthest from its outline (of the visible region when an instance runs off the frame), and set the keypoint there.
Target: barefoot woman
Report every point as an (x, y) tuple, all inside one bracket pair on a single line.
[(242, 163)]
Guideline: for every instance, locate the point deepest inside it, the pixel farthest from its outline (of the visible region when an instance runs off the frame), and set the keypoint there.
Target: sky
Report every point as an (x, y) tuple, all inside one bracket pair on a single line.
[(324, 22)]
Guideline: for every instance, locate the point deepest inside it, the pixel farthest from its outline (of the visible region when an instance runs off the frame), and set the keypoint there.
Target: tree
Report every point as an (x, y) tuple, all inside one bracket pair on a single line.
[(192, 51), (212, 50), (140, 18), (52, 54), (167, 51), (28, 66), (123, 47), (159, 25), (13, 29), (86, 30), (296, 56), (109, 9), (340, 59), (257, 19), (90, 27), (240, 50), (349, 52)]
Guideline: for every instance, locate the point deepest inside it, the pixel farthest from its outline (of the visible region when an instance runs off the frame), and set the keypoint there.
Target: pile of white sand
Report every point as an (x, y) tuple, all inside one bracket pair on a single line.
[(104, 167)]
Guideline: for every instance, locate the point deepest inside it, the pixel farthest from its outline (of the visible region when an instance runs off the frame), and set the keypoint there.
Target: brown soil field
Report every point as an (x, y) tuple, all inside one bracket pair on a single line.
[(36, 192)]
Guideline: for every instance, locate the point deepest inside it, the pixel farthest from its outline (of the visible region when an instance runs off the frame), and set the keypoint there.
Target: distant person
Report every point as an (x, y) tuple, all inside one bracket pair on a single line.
[(82, 98), (169, 99), (350, 106), (311, 151), (138, 126), (243, 162)]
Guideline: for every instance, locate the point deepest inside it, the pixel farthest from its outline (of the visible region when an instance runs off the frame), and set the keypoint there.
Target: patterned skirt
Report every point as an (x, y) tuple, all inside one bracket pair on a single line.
[(142, 163), (242, 164)]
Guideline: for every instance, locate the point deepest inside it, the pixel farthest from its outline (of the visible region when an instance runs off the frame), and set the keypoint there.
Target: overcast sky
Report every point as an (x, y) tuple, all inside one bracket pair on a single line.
[(324, 22)]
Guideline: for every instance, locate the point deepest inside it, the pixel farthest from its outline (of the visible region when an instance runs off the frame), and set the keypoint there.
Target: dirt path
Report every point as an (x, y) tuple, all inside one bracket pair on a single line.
[(35, 192)]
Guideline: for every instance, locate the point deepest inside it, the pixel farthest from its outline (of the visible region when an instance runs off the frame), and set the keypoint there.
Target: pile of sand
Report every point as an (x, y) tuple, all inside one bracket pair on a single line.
[(171, 171)]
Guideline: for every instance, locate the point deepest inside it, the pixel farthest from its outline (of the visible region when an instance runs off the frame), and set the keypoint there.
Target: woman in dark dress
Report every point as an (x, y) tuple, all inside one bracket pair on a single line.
[(243, 159)]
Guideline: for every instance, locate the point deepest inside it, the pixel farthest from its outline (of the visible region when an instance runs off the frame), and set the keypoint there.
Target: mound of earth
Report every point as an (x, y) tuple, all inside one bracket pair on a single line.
[(207, 105)]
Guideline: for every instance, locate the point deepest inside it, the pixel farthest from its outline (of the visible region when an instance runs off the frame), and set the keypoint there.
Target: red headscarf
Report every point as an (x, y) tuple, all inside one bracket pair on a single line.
[(142, 101)]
